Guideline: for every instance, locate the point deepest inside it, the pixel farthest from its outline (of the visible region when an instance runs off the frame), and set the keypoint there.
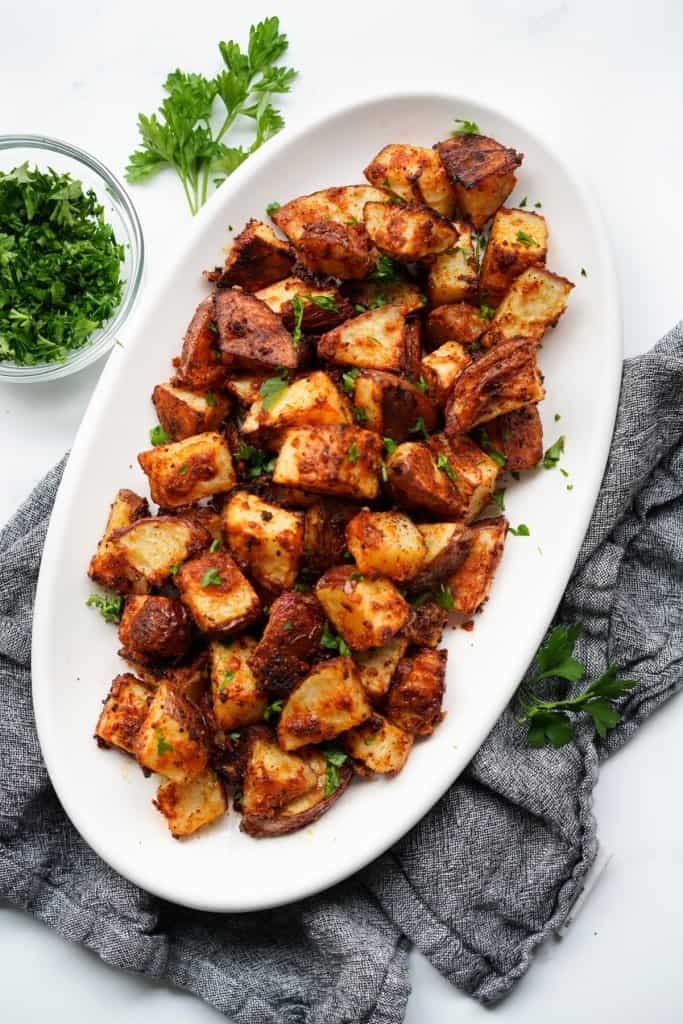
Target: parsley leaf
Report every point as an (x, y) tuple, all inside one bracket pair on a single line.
[(349, 380), (421, 384), (552, 455), (521, 531), (418, 427), (298, 310), (162, 746), (499, 498), (444, 465), (174, 569), (227, 677), (331, 642), (526, 240), (271, 208), (444, 597), (482, 438), (271, 390), (352, 454), (215, 544), (323, 302), (468, 127), (335, 758), (584, 272), (486, 312), (211, 578), (385, 269), (257, 462), (522, 203), (273, 710), (390, 445), (110, 608), (360, 414)]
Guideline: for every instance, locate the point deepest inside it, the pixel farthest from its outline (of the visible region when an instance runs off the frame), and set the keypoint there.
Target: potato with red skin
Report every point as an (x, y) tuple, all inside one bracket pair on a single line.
[(381, 339), (238, 698), (408, 231), (365, 612), (391, 405), (518, 240), (386, 544), (471, 583), (193, 804), (266, 540), (442, 367), (481, 172), (290, 642), (108, 566), (339, 460), (172, 739), (154, 628), (416, 694), (183, 413), (322, 308), (310, 400), (272, 776), (250, 334), (189, 678), (245, 385), (204, 516), (256, 258), (457, 322), (153, 547), (473, 473), (378, 745), (123, 713), (342, 251), (415, 174), (534, 302), (324, 704), (518, 435), (186, 471), (446, 546), (504, 379), (453, 275), (219, 597), (201, 366), (342, 206), (377, 667), (324, 533), (426, 624), (402, 292)]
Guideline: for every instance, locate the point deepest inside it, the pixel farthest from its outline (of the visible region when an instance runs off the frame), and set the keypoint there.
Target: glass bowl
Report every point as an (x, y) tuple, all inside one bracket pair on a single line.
[(118, 211)]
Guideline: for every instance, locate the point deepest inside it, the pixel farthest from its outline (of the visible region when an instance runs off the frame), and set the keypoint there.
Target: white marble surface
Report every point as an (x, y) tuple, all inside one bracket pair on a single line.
[(602, 80)]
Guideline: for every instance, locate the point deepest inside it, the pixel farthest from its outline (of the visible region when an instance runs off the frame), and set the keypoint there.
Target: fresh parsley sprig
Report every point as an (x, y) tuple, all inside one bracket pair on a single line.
[(181, 135), (335, 758), (110, 608), (552, 721)]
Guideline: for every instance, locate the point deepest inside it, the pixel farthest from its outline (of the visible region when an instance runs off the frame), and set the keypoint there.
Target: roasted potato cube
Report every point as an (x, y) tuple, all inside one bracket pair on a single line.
[(172, 739), (453, 275), (518, 239), (402, 292), (308, 401), (108, 566), (377, 667), (390, 405), (441, 368), (336, 205), (201, 366), (328, 701), (272, 777), (155, 628), (187, 471), (290, 642), (322, 308), (250, 334), (246, 386), (535, 301), (408, 231), (184, 413), (366, 613), (154, 547), (190, 678), (324, 536), (415, 482), (256, 258), (380, 339), (189, 806), (220, 599), (518, 436), (124, 711), (474, 473), (506, 378), (415, 174), (481, 172), (471, 582), (302, 810), (459, 322), (238, 698), (414, 701), (201, 515), (426, 624), (385, 544), (266, 540), (338, 460), (446, 545), (378, 745)]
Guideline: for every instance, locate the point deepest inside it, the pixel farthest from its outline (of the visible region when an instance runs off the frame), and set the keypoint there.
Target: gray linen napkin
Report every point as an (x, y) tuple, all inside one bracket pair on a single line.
[(481, 880)]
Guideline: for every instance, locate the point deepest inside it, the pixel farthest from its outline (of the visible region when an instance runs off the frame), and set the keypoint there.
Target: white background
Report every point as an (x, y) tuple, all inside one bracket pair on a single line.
[(604, 82)]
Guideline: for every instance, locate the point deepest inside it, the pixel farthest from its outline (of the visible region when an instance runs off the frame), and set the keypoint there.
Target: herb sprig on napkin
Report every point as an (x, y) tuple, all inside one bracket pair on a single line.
[(182, 135)]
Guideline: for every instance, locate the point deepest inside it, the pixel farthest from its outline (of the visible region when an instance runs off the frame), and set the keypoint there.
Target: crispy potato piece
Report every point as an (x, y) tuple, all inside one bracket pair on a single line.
[(256, 258), (201, 515), (377, 340), (272, 777), (220, 599), (172, 739), (336, 250), (471, 582), (453, 275), (415, 174), (446, 545), (377, 667), (155, 628), (303, 810), (414, 701), (153, 547), (245, 386), (266, 540), (505, 379), (237, 696), (338, 460), (386, 544), (251, 334), (481, 172), (475, 472), (459, 322), (330, 309), (426, 624), (441, 368), (201, 366), (189, 806), (408, 231), (536, 301), (403, 293), (366, 613), (311, 400), (290, 642), (328, 701), (518, 436), (124, 711), (191, 678), (183, 413), (390, 405), (415, 482), (337, 205), (324, 536), (518, 239), (108, 566), (187, 471), (378, 745)]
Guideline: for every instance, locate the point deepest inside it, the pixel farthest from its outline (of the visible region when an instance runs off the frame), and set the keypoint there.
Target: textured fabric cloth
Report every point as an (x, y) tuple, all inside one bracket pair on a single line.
[(481, 880)]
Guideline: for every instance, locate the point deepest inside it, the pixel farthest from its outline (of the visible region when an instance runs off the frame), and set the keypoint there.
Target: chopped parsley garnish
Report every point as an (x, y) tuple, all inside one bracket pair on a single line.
[(554, 453), (271, 390), (215, 544), (486, 312), (162, 746), (352, 454), (538, 205), (521, 531), (524, 239), (468, 127), (273, 710), (484, 441), (331, 642), (235, 736), (351, 221), (110, 608), (420, 599), (444, 465), (360, 414), (323, 302), (385, 269), (349, 379), (522, 203), (390, 445), (59, 266), (210, 398), (227, 677), (211, 578), (475, 346), (498, 498), (287, 627), (183, 469), (356, 576), (369, 740), (384, 473), (584, 272), (271, 208), (444, 597), (335, 758), (175, 568), (257, 462), (557, 417), (421, 384), (297, 304), (418, 427), (212, 326), (157, 436), (397, 201), (479, 244)]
